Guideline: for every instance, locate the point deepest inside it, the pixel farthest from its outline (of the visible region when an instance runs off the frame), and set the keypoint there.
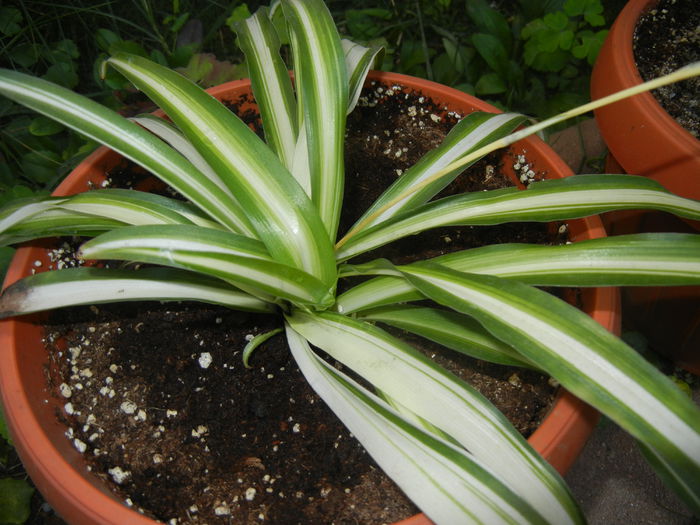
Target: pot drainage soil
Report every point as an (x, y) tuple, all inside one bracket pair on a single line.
[(157, 399), (667, 38)]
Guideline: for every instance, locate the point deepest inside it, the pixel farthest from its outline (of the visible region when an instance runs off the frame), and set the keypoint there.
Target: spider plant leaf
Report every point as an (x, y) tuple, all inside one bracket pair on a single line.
[(585, 358), (57, 223), (358, 60), (470, 133), (128, 206), (279, 210), (550, 200), (690, 498), (450, 329), (111, 129), (442, 479), (271, 84), (233, 258), (443, 400), (322, 83), (20, 210), (97, 211), (170, 134), (74, 286), (646, 259)]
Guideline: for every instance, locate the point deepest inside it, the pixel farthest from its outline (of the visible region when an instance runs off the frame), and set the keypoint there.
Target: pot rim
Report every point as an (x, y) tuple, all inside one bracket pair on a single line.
[(57, 469)]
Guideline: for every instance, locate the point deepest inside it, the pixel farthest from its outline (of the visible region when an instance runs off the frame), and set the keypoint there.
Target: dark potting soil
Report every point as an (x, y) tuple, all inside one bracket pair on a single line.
[(667, 38), (159, 402)]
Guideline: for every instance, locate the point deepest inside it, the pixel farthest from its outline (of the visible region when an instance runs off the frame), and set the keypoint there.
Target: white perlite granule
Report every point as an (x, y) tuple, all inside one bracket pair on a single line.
[(205, 359)]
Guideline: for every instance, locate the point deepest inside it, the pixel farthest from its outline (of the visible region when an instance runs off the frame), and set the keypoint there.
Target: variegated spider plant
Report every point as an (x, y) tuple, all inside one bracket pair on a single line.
[(259, 232)]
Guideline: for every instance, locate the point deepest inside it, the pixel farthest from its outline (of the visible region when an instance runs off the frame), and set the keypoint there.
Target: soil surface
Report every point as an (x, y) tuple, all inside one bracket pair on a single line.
[(667, 38), (157, 398)]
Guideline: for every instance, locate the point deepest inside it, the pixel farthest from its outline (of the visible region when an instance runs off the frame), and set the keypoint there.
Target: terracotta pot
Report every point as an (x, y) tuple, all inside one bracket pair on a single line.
[(640, 134), (644, 139), (59, 471)]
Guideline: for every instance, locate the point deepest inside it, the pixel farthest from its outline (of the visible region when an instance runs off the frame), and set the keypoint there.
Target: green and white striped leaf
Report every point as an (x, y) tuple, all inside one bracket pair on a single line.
[(551, 200), (23, 209), (647, 259), (57, 223), (74, 286), (129, 207), (585, 358), (271, 84), (669, 477), (322, 87), (358, 60), (470, 133), (446, 402), (111, 129), (443, 480), (450, 329), (279, 210), (97, 211), (233, 258), (170, 134)]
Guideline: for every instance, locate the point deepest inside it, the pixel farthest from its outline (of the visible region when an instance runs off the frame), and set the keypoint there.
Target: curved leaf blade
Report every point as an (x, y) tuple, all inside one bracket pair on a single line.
[(270, 81), (444, 401), (76, 286), (470, 133), (322, 84), (238, 260), (648, 259), (584, 357), (444, 480), (358, 60), (279, 210), (450, 329), (544, 201), (111, 129)]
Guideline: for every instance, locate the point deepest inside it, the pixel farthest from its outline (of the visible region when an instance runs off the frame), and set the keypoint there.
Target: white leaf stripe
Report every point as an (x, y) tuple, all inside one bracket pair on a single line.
[(358, 61), (279, 210), (270, 82), (403, 373), (586, 359), (450, 329), (170, 134), (74, 286), (321, 78), (633, 260), (545, 201), (23, 209), (471, 132), (443, 480), (688, 494), (52, 223), (224, 255), (111, 129)]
